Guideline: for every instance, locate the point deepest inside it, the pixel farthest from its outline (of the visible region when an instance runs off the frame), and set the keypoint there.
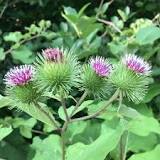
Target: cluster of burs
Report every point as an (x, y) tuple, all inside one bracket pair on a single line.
[(58, 72)]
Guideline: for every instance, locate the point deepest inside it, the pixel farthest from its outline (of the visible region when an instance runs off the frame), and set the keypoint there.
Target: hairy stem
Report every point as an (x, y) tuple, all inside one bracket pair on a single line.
[(114, 97)]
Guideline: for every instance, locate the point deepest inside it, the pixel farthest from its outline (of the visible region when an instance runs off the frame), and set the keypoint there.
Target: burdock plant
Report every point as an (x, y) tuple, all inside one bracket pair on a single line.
[(58, 71)]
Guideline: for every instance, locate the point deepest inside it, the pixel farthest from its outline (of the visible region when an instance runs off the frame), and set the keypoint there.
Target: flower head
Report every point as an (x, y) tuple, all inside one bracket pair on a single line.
[(52, 54), (19, 76), (101, 66), (57, 70), (137, 64)]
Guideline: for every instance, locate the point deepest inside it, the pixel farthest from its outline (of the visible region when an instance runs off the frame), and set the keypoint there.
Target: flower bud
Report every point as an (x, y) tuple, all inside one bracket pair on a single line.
[(136, 64), (131, 77), (53, 54), (19, 84), (58, 70), (94, 77)]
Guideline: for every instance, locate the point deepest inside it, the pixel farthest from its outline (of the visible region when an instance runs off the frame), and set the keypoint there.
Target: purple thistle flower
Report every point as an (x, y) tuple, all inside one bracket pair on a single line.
[(101, 66), (53, 54), (19, 76), (136, 64)]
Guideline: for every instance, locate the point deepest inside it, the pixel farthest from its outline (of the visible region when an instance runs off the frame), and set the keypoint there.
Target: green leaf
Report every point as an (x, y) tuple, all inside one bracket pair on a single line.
[(70, 109), (13, 37), (87, 132), (80, 13), (106, 142), (153, 91), (72, 130), (138, 143), (5, 101), (70, 11), (105, 7), (14, 146), (150, 155), (4, 131), (2, 54), (147, 35), (142, 109), (129, 112), (23, 54), (48, 148), (36, 113), (117, 48), (25, 126), (122, 14), (143, 126), (83, 25)]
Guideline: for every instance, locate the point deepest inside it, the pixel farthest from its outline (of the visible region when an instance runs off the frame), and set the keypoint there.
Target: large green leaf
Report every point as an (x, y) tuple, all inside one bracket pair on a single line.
[(48, 148), (99, 149), (141, 143), (148, 35), (150, 155), (88, 133), (143, 126), (36, 113), (14, 147), (73, 131), (83, 25), (23, 54)]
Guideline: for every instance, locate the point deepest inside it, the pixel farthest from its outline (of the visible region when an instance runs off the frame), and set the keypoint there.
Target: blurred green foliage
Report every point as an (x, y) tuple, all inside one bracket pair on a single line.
[(109, 29)]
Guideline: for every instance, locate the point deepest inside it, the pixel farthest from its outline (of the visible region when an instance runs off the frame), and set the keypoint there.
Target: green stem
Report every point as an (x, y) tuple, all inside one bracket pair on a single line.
[(120, 101), (79, 103), (124, 137), (64, 109), (63, 145), (50, 117), (114, 97), (123, 145)]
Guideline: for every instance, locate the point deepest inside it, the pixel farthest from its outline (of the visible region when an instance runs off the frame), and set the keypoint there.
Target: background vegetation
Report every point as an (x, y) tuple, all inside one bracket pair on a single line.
[(93, 27)]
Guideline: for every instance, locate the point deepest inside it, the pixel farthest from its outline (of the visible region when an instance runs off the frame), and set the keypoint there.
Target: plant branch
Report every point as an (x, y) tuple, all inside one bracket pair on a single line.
[(79, 103), (63, 145), (47, 114), (4, 8), (124, 137), (100, 6), (22, 42), (64, 108), (114, 97), (120, 101), (38, 132), (123, 145), (110, 24)]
